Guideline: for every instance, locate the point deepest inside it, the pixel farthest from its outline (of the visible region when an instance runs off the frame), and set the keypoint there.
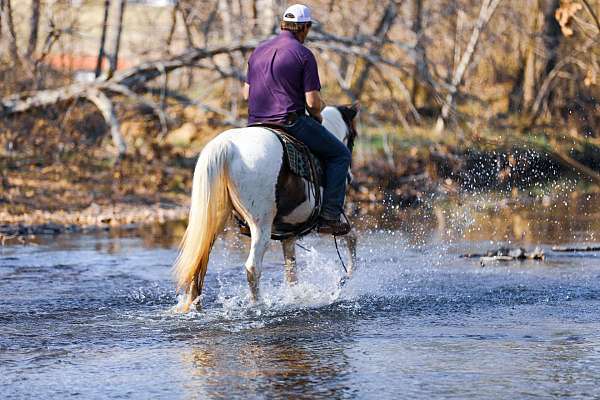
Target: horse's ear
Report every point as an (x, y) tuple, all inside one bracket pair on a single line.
[(349, 112), (353, 110)]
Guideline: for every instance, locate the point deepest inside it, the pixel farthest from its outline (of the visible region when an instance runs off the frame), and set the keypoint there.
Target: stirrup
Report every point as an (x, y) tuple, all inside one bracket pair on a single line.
[(334, 227)]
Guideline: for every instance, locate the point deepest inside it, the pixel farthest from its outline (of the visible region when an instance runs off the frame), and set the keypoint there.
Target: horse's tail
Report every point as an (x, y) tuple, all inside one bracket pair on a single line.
[(209, 210)]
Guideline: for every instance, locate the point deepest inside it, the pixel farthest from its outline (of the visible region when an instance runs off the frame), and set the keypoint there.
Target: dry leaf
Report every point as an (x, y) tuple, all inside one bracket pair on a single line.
[(590, 77), (565, 13)]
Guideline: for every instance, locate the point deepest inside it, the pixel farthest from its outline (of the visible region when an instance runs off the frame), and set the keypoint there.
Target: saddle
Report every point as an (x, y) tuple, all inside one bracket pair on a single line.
[(299, 158), (303, 163)]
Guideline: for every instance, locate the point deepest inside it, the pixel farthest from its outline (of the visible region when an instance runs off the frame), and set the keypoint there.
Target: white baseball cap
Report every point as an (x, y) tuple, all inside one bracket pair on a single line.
[(297, 13)]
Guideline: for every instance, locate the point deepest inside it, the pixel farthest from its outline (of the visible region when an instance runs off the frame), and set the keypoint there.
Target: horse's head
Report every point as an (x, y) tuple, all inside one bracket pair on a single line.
[(341, 121)]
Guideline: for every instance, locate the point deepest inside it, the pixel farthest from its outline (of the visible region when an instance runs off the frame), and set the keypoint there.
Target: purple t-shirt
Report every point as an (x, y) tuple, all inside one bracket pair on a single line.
[(280, 71)]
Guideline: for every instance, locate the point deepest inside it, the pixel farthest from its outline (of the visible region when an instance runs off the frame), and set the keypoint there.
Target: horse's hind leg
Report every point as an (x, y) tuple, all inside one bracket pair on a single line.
[(261, 234), (260, 221), (191, 296), (289, 255)]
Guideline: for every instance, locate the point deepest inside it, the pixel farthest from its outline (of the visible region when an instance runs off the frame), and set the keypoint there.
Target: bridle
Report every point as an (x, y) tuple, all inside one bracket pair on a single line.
[(351, 136)]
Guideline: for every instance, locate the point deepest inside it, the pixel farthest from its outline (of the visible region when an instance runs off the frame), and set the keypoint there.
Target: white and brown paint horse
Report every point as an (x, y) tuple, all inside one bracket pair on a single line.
[(243, 170)]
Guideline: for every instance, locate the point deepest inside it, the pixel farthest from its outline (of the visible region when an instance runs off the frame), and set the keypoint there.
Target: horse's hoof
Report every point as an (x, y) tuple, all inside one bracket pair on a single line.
[(254, 301), (187, 306), (182, 308), (292, 282)]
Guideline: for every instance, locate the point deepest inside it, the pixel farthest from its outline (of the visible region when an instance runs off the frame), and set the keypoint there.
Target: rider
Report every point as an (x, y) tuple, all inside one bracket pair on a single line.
[(283, 82)]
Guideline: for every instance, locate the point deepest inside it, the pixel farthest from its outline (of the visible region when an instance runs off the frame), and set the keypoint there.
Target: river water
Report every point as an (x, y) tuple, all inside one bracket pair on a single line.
[(90, 316)]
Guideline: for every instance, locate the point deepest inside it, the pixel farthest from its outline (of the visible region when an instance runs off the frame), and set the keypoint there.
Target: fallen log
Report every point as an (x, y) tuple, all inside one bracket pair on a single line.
[(563, 249), (125, 83), (134, 80), (505, 254)]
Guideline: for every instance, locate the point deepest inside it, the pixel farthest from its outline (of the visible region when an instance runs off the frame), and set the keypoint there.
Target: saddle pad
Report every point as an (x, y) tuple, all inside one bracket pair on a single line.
[(301, 163), (299, 159)]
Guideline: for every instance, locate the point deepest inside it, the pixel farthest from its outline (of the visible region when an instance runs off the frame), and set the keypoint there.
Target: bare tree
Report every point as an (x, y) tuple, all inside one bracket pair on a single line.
[(383, 27), (487, 10), (34, 23), (1, 15), (173, 28), (10, 31), (523, 89), (417, 28), (101, 50), (541, 56), (373, 48), (116, 43), (551, 35), (226, 15)]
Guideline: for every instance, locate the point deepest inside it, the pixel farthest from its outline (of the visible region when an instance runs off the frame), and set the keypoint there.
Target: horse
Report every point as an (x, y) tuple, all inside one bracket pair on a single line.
[(243, 170)]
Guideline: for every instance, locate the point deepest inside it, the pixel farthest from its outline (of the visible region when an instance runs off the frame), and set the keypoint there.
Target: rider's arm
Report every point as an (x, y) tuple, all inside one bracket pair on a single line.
[(246, 90), (314, 104)]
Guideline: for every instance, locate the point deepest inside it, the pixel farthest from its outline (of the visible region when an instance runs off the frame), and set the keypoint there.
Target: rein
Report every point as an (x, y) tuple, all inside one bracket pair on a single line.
[(340, 255), (338, 249)]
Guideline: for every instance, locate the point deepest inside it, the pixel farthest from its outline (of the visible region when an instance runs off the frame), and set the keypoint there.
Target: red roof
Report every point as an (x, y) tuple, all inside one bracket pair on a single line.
[(73, 62)]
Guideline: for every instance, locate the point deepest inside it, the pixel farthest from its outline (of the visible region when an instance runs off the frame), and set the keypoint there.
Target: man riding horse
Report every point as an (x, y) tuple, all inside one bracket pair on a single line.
[(247, 171), (281, 85)]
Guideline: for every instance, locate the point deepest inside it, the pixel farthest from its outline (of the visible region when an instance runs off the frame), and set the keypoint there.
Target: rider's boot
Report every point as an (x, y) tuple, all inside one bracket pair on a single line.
[(335, 227)]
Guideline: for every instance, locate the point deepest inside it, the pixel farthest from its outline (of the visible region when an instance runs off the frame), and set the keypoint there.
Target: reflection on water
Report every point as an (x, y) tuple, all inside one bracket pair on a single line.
[(273, 363), (90, 316)]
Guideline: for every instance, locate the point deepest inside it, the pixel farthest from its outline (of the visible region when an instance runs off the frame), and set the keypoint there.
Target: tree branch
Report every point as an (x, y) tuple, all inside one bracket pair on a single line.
[(385, 24), (591, 11), (106, 107), (487, 10)]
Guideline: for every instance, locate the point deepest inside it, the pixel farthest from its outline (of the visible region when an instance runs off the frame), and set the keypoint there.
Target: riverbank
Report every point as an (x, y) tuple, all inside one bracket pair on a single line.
[(93, 218), (51, 189)]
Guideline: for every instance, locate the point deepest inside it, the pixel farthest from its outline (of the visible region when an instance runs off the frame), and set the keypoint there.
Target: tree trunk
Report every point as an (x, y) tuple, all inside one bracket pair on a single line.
[(522, 93), (537, 64), (529, 77), (267, 14), (10, 32), (1, 13), (102, 38), (34, 23), (551, 35), (255, 25), (487, 10), (417, 26), (173, 27), (383, 27), (114, 58), (225, 11), (185, 17)]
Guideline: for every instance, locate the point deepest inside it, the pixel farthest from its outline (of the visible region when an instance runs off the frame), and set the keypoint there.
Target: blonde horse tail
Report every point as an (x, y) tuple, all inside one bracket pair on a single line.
[(209, 210)]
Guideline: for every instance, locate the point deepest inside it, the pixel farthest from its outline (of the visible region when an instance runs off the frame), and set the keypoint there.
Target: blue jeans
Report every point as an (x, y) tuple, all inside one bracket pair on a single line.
[(335, 158)]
